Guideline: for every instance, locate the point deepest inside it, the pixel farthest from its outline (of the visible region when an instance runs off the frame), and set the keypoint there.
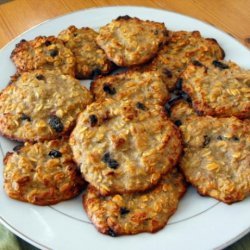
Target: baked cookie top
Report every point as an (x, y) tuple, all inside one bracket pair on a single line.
[(120, 146), (43, 173), (216, 156), (43, 53), (138, 212), (182, 48), (91, 60), (218, 88), (145, 87), (130, 41), (41, 105)]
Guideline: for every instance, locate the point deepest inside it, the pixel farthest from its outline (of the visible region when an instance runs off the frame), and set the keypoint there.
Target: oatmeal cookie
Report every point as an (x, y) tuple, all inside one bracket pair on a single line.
[(124, 147), (217, 157), (218, 88), (138, 212), (130, 41), (182, 48), (145, 87), (91, 60), (43, 53), (41, 105), (43, 173)]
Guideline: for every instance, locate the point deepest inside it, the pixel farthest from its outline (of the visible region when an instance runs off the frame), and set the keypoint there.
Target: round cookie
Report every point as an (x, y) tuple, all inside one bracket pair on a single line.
[(130, 41), (138, 212), (217, 157), (91, 60), (43, 53), (122, 147), (145, 87), (182, 48), (41, 105), (42, 173), (218, 88)]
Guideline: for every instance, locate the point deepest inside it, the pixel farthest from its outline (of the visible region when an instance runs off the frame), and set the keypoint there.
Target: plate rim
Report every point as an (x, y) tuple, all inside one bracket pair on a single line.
[(40, 245)]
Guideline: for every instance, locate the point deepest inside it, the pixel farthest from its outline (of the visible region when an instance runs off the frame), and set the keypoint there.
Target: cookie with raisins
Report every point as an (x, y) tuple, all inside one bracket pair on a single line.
[(91, 60), (144, 87), (41, 105), (216, 156), (43, 173), (182, 48), (43, 53), (123, 146), (218, 88), (131, 41), (135, 213)]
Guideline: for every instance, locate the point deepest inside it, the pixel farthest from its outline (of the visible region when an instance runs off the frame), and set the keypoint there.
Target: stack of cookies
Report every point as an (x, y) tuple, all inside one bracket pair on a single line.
[(174, 113)]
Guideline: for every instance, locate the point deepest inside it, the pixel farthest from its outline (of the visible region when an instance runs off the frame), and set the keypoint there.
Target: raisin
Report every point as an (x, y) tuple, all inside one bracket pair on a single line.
[(220, 138), (93, 120), (108, 89), (40, 77), (124, 210), (47, 43), (178, 123), (18, 147), (55, 123), (109, 161), (126, 17), (197, 63), (23, 40), (75, 34), (220, 65), (206, 140), (140, 105), (111, 232), (25, 117), (55, 154), (168, 73), (53, 52), (179, 83), (186, 97), (170, 103), (235, 138), (96, 72)]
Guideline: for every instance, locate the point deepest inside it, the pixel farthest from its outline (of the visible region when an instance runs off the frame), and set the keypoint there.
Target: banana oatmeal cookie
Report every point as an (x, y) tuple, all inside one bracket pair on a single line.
[(42, 173), (218, 88), (138, 212), (130, 41), (43, 53), (41, 105), (182, 48), (217, 156), (91, 60), (145, 87), (124, 147)]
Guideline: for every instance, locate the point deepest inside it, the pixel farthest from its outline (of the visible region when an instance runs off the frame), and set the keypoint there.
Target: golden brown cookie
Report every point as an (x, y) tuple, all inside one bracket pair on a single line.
[(145, 87), (43, 53), (42, 173), (138, 212), (217, 156), (41, 105), (91, 60), (218, 88), (124, 147), (130, 41), (182, 48)]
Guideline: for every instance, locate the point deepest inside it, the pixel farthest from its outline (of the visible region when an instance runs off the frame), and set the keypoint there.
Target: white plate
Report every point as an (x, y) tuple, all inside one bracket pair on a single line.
[(199, 223)]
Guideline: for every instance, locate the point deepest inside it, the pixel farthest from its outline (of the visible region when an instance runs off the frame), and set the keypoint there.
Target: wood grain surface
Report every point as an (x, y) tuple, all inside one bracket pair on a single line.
[(232, 16)]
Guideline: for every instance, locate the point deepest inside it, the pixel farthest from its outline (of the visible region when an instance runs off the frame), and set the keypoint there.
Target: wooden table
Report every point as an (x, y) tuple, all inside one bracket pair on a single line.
[(231, 16)]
